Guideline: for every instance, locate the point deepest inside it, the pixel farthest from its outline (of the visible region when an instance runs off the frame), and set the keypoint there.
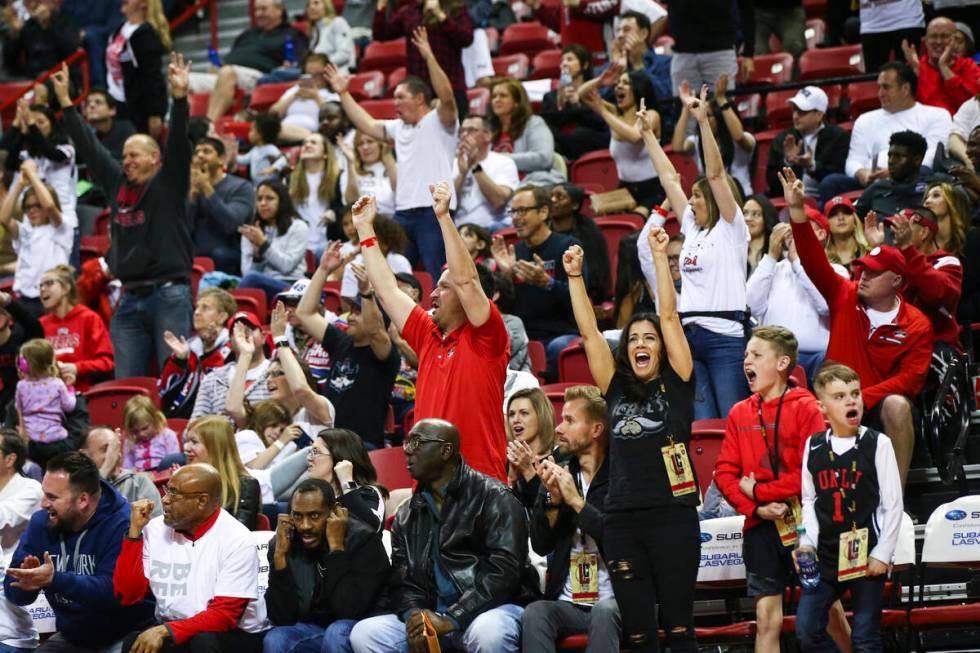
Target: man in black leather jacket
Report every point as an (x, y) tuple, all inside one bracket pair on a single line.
[(566, 526), (472, 588)]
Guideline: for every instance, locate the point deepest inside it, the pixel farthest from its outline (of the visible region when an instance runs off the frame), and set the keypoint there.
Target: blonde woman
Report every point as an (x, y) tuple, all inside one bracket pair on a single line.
[(952, 208), (530, 427), (211, 440), (330, 34), (134, 65), (313, 187), (847, 241), (375, 171)]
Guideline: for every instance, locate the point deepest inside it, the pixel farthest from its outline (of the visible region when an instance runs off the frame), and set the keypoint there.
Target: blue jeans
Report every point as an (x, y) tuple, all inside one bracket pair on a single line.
[(281, 74), (719, 381), (268, 284), (836, 183), (424, 238), (812, 615), (309, 638), (810, 361), (139, 322), (4, 648), (494, 631)]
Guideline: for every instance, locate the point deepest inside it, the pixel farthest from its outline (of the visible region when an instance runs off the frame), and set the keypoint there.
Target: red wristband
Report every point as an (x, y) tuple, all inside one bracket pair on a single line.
[(661, 211), (369, 242)]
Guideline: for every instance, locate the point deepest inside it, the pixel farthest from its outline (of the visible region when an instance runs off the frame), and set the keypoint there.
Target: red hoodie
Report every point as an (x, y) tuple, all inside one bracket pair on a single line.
[(933, 285), (81, 338), (744, 451), (892, 360), (947, 93)]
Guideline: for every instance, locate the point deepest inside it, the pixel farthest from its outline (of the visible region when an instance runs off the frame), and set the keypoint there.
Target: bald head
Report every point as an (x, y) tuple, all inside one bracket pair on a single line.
[(141, 159), (432, 451), (200, 478), (939, 36), (438, 428), (192, 496)]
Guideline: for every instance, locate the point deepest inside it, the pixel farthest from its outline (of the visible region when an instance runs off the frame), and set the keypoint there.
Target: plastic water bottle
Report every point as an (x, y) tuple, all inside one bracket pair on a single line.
[(290, 52), (806, 558), (213, 57), (565, 79)]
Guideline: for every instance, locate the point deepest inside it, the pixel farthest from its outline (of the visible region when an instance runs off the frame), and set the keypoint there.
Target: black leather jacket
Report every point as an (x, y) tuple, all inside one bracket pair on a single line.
[(483, 541), (249, 502)]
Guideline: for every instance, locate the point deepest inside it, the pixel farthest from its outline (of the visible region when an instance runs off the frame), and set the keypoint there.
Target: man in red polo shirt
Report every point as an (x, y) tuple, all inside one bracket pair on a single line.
[(463, 347), (885, 339)]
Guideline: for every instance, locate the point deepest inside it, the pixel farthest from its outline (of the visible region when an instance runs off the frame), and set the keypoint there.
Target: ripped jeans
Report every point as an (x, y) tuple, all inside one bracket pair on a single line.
[(653, 557)]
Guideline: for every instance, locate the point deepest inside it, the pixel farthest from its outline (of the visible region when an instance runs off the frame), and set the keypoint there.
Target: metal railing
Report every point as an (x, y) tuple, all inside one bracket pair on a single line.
[(78, 56), (193, 9)]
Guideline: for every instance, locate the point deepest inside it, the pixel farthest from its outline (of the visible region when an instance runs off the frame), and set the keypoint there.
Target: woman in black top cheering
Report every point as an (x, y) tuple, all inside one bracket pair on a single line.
[(652, 539)]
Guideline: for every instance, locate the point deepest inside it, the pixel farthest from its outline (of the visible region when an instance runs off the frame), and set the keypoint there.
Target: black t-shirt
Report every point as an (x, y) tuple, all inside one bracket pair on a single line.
[(359, 385), (261, 50), (638, 431)]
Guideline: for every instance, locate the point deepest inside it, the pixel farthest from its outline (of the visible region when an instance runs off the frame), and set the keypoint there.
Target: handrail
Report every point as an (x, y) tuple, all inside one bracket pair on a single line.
[(190, 11), (763, 89), (78, 55)]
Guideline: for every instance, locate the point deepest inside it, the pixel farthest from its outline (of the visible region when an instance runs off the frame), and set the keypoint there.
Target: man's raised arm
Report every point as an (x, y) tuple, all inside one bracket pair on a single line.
[(359, 117), (462, 270)]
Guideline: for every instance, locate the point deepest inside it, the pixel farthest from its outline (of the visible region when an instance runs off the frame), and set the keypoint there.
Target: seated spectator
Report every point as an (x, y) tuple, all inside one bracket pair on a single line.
[(946, 79), (488, 617), (218, 205), (567, 218), (566, 527), (86, 515), (477, 241), (300, 105), (42, 400), (933, 277), (813, 147), (636, 173), (317, 539), (760, 219), (269, 422), (484, 180), (192, 360), (256, 51), (965, 120), (313, 189), (847, 241), (339, 457), (951, 206), (148, 440), (451, 28), (963, 41), (530, 439), (215, 604), (871, 328), (371, 170), (101, 444), (134, 65), (43, 239), (632, 48), (20, 497), (43, 41), (577, 130), (332, 121), (213, 393), (77, 333), (520, 134), (211, 440), (274, 245), (102, 115), (906, 181), (330, 35), (363, 361), (867, 158), (17, 326), (425, 141), (779, 292), (735, 143), (264, 159)]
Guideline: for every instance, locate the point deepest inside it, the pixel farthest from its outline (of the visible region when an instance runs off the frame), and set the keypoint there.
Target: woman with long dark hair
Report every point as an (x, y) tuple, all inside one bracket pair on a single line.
[(566, 218), (760, 217), (338, 456), (274, 245), (652, 540), (576, 128)]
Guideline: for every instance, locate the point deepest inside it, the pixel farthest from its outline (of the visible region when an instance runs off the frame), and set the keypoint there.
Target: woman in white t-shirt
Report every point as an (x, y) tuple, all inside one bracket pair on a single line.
[(299, 107), (314, 190), (373, 164), (713, 263)]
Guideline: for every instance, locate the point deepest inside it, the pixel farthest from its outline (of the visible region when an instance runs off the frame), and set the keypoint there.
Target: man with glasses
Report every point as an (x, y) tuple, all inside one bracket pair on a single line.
[(459, 552), (102, 445), (484, 180), (543, 302), (199, 564), (946, 79)]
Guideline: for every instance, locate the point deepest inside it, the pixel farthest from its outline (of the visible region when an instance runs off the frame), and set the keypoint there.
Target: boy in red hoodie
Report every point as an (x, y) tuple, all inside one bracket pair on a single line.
[(758, 471)]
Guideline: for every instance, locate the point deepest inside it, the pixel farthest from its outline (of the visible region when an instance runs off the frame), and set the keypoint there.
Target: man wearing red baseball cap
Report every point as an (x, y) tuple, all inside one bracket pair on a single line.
[(885, 339)]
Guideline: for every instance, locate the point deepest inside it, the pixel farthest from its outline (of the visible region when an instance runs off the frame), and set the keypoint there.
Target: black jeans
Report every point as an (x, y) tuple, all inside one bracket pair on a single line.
[(878, 47), (231, 641), (653, 557)]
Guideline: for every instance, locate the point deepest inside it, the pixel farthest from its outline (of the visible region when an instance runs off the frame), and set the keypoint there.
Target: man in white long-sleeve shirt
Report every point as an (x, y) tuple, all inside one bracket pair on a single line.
[(20, 497), (779, 292), (852, 512), (867, 158)]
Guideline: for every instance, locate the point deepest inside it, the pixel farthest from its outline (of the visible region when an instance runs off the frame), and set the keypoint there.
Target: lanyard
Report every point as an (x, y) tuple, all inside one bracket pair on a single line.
[(773, 455)]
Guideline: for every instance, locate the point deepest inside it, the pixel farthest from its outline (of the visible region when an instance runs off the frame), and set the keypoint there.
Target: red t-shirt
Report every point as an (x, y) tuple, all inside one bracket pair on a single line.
[(461, 380)]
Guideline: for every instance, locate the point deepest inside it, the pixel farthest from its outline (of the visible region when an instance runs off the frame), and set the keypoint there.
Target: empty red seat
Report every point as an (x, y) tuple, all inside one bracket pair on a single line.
[(538, 359), (380, 109), (775, 68), (779, 113), (527, 38), (614, 231), (832, 62), (252, 300), (573, 366), (596, 168), (862, 97), (384, 55), (546, 64), (396, 77), (747, 107), (107, 400), (391, 467), (763, 143), (513, 65), (814, 33), (367, 85), (634, 219), (265, 95), (706, 439), (479, 98), (228, 126)]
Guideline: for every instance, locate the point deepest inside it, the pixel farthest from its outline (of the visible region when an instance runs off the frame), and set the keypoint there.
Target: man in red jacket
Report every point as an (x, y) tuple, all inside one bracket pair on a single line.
[(946, 79), (887, 341), (758, 471)]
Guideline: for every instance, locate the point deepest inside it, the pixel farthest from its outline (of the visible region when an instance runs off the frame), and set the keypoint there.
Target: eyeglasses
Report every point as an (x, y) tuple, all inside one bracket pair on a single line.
[(313, 454), (31, 207), (412, 444), (521, 210), (172, 494), (276, 374)]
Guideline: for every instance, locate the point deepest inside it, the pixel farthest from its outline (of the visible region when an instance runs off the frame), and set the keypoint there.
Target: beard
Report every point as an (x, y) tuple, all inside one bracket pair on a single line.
[(64, 524)]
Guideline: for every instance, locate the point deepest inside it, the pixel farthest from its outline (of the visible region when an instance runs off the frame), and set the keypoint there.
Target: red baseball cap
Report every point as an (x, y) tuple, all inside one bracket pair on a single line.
[(884, 257), (247, 317), (816, 216), (834, 202)]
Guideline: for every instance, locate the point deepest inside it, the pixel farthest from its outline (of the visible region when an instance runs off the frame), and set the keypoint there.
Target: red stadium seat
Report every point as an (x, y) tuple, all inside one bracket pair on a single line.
[(513, 65), (814, 33), (776, 68), (205, 262), (262, 522), (252, 300), (535, 351), (479, 100), (332, 301), (527, 38), (391, 467), (573, 366), (199, 103), (265, 95), (107, 400), (509, 234), (178, 425), (815, 8), (798, 377), (395, 77), (93, 246), (832, 62), (596, 168), (763, 143), (706, 439), (685, 165), (384, 55), (747, 107), (380, 109), (546, 64), (634, 219), (425, 280), (614, 231), (862, 97), (228, 126), (367, 85)]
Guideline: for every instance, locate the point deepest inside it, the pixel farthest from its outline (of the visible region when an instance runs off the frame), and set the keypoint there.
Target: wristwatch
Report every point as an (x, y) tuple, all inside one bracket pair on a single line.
[(477, 168)]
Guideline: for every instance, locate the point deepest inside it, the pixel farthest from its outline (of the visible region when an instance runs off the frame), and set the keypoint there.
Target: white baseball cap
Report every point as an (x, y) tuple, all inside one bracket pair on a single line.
[(810, 98)]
